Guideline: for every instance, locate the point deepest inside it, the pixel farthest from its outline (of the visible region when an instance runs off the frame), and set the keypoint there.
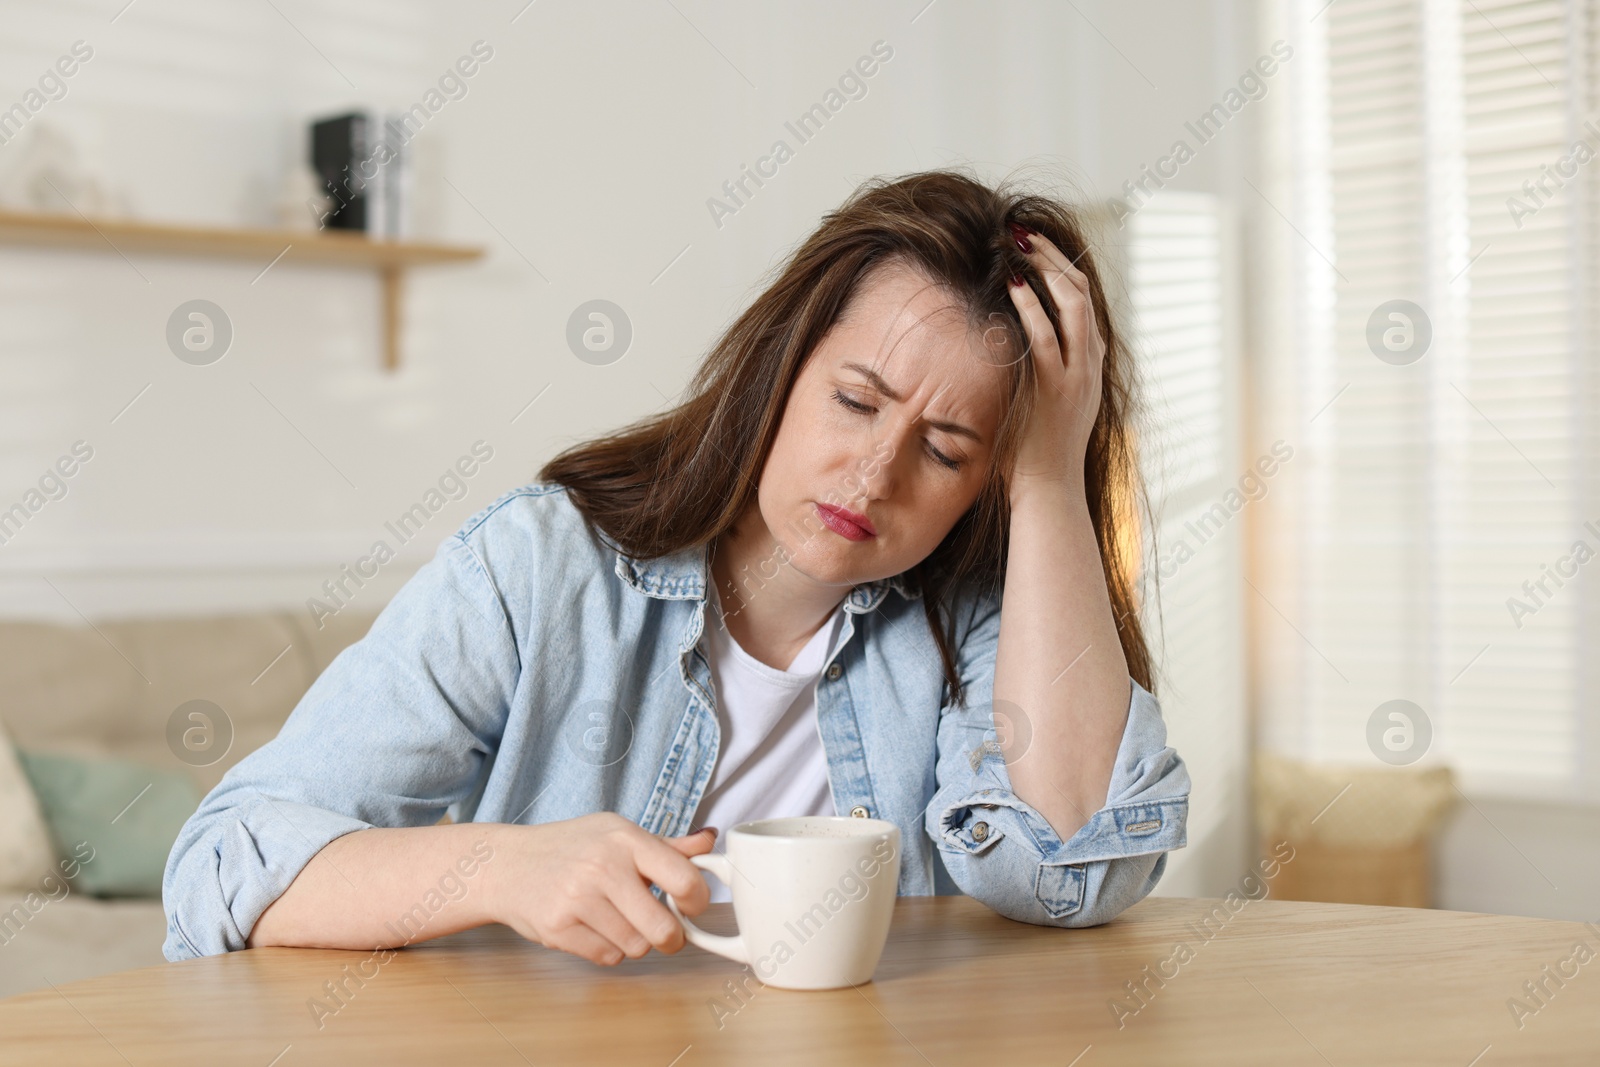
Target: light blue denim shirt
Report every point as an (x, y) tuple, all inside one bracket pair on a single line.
[(531, 672)]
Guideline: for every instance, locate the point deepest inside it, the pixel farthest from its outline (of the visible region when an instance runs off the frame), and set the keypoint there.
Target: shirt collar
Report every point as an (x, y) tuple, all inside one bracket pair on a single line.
[(682, 576)]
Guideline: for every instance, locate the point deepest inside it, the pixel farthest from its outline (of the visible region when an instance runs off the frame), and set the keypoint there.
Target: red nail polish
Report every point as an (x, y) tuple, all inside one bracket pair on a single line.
[(1019, 233), (1016, 279)]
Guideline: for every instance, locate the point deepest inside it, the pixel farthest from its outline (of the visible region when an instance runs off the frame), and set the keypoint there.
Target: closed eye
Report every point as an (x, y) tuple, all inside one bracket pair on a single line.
[(851, 404), (865, 409)]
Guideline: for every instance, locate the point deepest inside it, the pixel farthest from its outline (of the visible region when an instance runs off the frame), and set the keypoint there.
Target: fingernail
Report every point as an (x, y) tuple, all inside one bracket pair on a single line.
[(1020, 234), (1016, 280), (703, 829)]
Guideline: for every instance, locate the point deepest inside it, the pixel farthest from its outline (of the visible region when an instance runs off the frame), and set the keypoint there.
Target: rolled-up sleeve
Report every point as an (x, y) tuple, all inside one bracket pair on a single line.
[(397, 729), (1000, 850)]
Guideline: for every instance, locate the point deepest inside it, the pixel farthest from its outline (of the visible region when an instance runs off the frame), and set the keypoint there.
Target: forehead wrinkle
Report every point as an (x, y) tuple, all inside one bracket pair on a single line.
[(940, 420), (919, 323), (943, 388)]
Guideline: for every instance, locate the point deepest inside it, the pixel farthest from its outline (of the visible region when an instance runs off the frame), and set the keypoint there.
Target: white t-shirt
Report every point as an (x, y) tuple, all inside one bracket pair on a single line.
[(770, 761)]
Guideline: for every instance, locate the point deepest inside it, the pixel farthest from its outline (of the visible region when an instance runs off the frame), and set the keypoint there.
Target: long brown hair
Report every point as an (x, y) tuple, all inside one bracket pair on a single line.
[(682, 477)]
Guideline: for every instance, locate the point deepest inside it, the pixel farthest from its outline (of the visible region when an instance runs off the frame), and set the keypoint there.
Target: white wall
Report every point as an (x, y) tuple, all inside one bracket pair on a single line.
[(582, 157)]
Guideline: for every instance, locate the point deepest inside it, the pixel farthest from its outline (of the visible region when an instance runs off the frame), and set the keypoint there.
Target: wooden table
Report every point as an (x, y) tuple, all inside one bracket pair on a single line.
[(1274, 982)]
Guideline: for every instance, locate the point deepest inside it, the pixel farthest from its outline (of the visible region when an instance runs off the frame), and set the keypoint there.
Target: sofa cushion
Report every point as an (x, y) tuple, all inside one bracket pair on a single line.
[(26, 853), (128, 813)]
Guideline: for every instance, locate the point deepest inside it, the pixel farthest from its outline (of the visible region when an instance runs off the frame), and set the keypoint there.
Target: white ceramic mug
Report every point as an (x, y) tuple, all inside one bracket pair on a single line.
[(813, 895)]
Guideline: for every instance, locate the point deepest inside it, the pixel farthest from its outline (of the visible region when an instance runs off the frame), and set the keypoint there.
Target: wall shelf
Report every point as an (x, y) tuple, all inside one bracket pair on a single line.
[(339, 248)]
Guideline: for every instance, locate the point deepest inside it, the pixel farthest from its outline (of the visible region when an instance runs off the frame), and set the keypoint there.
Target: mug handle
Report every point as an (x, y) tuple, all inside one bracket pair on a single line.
[(731, 947)]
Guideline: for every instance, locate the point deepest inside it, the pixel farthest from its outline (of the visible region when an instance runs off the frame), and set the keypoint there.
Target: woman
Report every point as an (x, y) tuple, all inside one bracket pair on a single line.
[(781, 597)]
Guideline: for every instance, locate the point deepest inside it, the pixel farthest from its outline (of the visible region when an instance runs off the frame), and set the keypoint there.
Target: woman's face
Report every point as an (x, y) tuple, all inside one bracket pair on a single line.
[(893, 418)]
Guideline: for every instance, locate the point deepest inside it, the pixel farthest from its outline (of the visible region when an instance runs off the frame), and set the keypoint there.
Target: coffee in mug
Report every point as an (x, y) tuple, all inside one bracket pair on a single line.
[(812, 894)]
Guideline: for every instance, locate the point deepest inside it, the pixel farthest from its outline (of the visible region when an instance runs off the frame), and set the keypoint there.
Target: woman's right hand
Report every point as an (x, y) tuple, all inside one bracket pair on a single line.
[(583, 885)]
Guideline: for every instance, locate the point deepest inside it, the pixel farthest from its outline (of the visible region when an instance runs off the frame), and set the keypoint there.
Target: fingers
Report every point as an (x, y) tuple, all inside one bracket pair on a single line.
[(629, 924), (632, 918), (1063, 280), (590, 896), (702, 840), (580, 939), (647, 915), (665, 862), (1041, 334), (1069, 288), (1043, 247), (604, 919)]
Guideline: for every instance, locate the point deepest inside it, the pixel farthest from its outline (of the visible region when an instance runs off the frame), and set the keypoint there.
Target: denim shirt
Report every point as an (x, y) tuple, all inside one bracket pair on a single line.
[(531, 672)]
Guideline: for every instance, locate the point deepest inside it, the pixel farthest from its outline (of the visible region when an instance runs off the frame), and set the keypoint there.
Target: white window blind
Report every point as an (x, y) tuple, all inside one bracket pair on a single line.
[(1174, 262), (1189, 455), (1175, 289), (1438, 488)]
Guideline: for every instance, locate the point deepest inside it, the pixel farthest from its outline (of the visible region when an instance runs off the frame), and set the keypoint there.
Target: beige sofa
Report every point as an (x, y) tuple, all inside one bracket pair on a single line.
[(109, 690)]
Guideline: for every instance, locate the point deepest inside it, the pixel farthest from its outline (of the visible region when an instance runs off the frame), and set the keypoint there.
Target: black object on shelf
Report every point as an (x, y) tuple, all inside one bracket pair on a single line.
[(336, 148), (364, 162)]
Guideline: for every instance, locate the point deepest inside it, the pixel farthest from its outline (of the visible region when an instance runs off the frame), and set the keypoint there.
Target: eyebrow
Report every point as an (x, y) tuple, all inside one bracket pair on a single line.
[(875, 380)]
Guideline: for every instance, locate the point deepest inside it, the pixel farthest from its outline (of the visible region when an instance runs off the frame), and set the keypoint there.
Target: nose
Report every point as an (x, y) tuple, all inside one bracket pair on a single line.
[(880, 467)]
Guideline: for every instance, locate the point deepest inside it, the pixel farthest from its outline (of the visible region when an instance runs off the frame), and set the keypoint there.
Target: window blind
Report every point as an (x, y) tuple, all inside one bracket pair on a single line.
[(1175, 267), (1189, 454), (1444, 489)]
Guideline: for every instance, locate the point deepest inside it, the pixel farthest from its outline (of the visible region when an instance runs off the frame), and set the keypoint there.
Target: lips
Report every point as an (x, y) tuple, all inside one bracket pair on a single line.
[(846, 523)]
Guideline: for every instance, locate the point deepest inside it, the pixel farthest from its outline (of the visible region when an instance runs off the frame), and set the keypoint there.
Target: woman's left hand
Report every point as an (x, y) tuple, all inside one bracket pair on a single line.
[(1057, 436)]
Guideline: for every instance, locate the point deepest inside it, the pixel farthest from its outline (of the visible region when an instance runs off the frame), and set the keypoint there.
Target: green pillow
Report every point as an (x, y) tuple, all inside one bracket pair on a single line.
[(81, 797)]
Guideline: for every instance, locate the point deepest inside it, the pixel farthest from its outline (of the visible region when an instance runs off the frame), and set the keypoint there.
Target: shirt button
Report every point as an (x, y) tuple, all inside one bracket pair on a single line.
[(980, 831), (858, 812), (834, 672)]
